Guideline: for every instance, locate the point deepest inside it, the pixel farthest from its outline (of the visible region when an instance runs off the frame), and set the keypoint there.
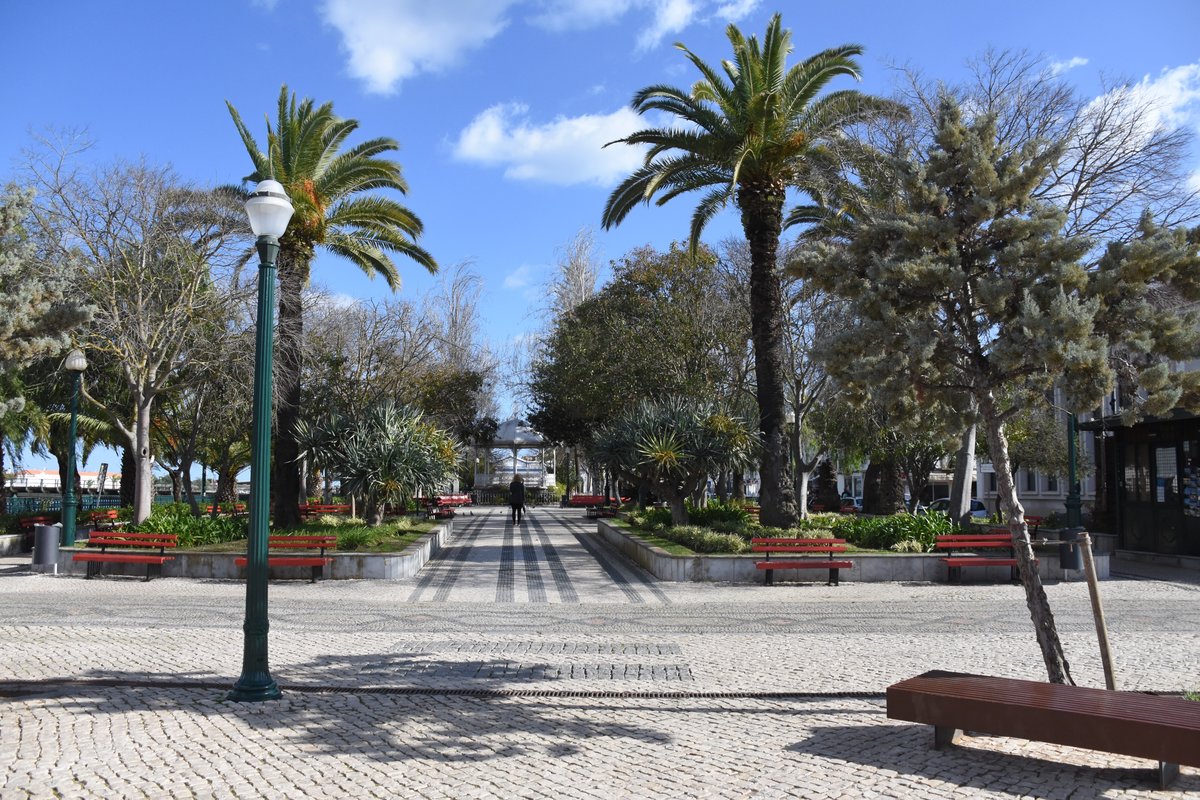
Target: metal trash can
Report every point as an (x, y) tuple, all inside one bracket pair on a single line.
[(1070, 554), (45, 545)]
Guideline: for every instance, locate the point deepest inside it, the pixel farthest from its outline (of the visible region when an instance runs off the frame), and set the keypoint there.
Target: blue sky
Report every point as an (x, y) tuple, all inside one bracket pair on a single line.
[(501, 106)]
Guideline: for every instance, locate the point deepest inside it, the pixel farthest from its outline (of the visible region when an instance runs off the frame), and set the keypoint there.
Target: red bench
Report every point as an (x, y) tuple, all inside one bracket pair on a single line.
[(139, 543), (792, 548), (995, 540), (102, 518), (443, 505), (316, 561), (309, 510)]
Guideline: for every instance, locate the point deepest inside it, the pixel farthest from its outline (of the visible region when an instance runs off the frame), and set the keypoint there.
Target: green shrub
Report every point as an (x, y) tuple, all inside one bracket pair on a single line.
[(703, 540), (653, 519), (176, 518), (885, 533), (728, 516), (360, 536)]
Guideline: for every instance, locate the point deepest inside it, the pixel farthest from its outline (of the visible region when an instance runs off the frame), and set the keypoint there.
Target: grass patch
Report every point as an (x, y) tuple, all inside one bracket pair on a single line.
[(1192, 696)]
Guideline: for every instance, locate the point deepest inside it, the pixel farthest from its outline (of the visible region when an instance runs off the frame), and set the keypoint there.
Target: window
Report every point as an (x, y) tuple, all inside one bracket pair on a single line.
[(1051, 483), (992, 482), (1166, 473), (1030, 481)]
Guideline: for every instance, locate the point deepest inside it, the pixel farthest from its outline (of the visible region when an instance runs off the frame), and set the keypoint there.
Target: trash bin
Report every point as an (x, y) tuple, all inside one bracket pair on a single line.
[(1070, 555), (45, 544)]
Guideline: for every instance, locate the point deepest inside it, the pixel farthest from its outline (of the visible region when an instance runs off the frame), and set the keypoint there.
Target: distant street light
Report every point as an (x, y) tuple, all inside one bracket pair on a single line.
[(76, 363), (269, 210)]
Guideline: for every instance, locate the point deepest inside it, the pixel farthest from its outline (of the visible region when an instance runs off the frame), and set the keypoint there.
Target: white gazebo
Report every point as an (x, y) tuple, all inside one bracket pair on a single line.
[(516, 449)]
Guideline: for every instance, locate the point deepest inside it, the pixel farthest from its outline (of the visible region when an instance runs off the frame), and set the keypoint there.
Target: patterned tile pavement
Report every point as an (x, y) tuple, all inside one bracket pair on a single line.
[(534, 662)]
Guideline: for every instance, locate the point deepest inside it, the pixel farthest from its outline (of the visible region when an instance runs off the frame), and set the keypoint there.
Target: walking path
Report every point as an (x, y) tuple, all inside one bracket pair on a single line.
[(531, 661)]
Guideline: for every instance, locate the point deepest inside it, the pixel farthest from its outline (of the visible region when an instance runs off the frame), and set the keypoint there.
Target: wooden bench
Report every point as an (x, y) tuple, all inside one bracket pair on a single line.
[(135, 547), (239, 509), (791, 548), (587, 501), (317, 561), (995, 540), (1163, 729), (102, 518), (309, 510)]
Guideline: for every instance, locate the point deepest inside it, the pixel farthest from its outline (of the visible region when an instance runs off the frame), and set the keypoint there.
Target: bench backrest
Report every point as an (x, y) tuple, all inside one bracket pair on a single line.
[(29, 522), (973, 541), (305, 542), (779, 545), (122, 539)]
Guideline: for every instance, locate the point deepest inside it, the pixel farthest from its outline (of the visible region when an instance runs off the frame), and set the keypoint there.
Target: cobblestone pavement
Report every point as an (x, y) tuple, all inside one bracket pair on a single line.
[(533, 662)]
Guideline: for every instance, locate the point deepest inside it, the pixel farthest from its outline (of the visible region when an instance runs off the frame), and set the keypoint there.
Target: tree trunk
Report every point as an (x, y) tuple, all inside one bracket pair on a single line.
[(1055, 658), (374, 512), (723, 486), (143, 497), (761, 204), (128, 476), (289, 361), (964, 473), (3, 483)]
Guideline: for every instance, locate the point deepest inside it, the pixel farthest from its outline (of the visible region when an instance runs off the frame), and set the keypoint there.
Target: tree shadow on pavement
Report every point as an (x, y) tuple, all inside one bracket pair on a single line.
[(907, 750), (440, 720)]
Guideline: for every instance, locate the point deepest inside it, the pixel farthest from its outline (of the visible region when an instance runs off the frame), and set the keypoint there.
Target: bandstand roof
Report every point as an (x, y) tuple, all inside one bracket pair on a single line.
[(513, 434)]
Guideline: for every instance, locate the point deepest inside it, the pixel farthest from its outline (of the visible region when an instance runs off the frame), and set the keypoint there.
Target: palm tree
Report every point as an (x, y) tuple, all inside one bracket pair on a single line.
[(747, 136), (332, 191)]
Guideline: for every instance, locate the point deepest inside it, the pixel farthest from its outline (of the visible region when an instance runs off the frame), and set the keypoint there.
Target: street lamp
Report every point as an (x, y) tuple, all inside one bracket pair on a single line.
[(269, 210), (76, 363)]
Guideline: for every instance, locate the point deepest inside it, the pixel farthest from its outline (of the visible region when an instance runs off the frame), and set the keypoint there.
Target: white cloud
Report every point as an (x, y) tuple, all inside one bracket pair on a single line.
[(736, 9), (565, 151), (570, 15), (1059, 67), (391, 40), (1174, 96), (670, 16), (518, 278)]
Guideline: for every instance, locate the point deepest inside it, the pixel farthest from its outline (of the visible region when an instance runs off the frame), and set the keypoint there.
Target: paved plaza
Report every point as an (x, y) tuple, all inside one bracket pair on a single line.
[(535, 662)]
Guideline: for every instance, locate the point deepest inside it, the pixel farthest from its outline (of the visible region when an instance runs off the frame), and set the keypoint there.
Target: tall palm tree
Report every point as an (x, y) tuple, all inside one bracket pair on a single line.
[(332, 191), (746, 136)]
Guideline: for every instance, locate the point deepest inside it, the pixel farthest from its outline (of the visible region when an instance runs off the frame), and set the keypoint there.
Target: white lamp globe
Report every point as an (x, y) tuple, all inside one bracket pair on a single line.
[(269, 209), (76, 361)]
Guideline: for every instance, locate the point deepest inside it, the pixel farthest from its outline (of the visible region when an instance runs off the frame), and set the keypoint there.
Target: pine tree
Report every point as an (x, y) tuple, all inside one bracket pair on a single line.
[(970, 300)]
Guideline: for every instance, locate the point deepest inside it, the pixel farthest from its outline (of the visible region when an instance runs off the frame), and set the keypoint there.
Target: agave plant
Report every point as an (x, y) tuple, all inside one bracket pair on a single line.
[(389, 455), (672, 446)]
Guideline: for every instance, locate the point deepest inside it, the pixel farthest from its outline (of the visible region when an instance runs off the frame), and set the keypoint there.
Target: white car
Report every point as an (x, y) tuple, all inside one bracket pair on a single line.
[(942, 504)]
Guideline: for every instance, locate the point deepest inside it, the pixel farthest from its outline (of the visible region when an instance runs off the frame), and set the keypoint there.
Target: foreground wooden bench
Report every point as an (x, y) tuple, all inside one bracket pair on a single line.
[(996, 544), (1163, 729), (316, 561), (135, 549), (790, 549)]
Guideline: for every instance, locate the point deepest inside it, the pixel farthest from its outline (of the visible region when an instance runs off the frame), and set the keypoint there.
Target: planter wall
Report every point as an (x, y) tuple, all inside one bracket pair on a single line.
[(345, 566), (916, 567)]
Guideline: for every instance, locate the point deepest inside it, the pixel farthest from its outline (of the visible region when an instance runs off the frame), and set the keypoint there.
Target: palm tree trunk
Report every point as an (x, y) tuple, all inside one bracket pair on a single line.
[(761, 204), (289, 361), (1035, 594)]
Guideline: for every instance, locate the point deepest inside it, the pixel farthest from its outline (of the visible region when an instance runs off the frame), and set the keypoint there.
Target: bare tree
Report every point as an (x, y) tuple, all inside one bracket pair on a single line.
[(577, 271), (150, 252)]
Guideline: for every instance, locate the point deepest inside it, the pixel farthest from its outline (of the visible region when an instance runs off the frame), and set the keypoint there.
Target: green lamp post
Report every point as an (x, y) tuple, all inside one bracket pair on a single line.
[(76, 363), (269, 210)]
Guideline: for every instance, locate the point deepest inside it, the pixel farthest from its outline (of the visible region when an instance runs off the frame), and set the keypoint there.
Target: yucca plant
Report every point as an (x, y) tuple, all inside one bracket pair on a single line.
[(673, 445), (389, 455)]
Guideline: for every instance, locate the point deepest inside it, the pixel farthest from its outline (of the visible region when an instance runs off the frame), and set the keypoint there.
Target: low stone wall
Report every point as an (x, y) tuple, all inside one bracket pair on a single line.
[(913, 567), (345, 566), (10, 544)]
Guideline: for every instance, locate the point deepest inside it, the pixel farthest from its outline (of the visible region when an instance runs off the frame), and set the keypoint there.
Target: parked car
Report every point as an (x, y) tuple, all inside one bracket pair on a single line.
[(942, 504)]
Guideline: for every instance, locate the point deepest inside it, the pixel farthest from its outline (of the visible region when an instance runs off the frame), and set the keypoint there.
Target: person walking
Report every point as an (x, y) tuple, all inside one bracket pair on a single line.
[(516, 498)]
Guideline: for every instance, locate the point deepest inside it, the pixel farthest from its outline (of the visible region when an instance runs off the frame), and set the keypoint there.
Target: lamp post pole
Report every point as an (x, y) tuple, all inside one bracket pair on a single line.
[(269, 211), (76, 363)]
